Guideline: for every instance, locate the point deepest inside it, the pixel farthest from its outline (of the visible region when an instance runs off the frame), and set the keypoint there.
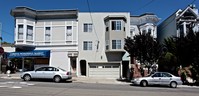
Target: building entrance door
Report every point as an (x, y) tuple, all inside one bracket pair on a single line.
[(73, 63)]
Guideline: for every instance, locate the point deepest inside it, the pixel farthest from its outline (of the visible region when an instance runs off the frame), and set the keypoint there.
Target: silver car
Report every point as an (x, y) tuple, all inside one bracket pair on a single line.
[(158, 78), (54, 73)]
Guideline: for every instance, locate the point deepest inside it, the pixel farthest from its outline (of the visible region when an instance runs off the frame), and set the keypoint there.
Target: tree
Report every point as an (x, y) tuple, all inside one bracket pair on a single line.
[(186, 51), (143, 47)]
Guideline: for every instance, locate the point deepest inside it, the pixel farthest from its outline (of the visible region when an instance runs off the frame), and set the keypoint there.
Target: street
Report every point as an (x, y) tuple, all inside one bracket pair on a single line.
[(47, 88)]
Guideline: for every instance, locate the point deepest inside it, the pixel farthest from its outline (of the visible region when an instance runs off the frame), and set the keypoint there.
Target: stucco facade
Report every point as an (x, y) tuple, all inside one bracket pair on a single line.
[(100, 38)]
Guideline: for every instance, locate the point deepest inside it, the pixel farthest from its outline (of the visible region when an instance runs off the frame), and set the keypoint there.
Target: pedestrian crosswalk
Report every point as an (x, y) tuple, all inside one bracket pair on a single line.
[(16, 85)]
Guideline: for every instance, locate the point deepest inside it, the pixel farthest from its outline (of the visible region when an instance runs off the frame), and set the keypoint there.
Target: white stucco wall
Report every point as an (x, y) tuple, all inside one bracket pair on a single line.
[(98, 34)]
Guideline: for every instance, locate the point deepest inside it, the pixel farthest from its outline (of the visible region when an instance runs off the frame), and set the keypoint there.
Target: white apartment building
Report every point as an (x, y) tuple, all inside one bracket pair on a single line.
[(101, 41)]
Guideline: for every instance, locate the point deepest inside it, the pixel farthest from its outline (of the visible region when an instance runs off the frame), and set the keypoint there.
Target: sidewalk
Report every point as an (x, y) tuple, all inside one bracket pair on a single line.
[(12, 76), (80, 79), (99, 80)]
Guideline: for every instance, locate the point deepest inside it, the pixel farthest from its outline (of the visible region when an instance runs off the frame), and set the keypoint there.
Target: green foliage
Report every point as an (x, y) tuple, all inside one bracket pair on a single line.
[(186, 51), (143, 47)]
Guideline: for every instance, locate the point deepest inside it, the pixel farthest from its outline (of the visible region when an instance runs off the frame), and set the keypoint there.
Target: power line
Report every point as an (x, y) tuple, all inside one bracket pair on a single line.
[(93, 24), (173, 18), (192, 1), (144, 5)]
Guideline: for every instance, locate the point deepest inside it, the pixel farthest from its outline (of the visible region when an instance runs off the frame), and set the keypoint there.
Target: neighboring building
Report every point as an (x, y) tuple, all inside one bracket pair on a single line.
[(145, 23), (101, 41), (49, 37), (179, 23), (7, 47)]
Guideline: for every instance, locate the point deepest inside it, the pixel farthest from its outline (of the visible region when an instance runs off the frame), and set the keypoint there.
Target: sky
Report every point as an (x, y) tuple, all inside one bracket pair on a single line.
[(162, 8)]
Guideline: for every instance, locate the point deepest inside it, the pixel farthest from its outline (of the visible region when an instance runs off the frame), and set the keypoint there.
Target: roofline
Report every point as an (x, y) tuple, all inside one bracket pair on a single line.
[(44, 14)]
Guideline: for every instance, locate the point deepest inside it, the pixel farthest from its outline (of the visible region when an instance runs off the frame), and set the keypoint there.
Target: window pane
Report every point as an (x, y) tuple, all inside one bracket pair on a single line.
[(69, 33), (116, 44), (88, 27), (113, 44), (47, 33), (29, 35), (113, 25), (116, 25), (87, 45), (20, 31)]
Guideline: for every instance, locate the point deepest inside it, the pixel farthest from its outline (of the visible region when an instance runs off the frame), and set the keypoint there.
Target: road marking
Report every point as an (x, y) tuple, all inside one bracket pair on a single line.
[(15, 85)]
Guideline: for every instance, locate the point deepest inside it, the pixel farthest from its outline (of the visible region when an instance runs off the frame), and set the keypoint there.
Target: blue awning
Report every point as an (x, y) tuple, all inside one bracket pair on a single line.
[(35, 53)]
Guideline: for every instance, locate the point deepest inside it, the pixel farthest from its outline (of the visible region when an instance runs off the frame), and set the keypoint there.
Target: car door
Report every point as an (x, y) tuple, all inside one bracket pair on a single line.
[(156, 78), (39, 73), (166, 78), (50, 72)]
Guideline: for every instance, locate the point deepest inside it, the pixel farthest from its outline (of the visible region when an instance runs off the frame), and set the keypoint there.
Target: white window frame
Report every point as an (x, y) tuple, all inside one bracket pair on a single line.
[(29, 33), (87, 45), (116, 44), (69, 33), (48, 34), (117, 26), (20, 32), (87, 27)]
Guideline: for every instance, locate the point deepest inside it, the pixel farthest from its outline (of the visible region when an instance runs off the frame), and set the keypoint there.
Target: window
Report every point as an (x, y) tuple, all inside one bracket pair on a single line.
[(116, 25), (47, 34), (157, 75), (87, 45), (149, 30), (29, 35), (107, 66), (41, 69), (68, 32), (166, 75), (116, 44), (88, 27), (93, 66), (143, 31), (20, 31), (115, 66)]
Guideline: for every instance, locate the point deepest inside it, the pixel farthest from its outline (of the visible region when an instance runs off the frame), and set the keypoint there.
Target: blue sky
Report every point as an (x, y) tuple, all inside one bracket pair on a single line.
[(162, 8)]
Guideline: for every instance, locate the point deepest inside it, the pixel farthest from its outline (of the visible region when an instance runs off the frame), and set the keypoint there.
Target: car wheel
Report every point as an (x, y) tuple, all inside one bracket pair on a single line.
[(26, 77), (143, 83), (57, 79), (173, 84)]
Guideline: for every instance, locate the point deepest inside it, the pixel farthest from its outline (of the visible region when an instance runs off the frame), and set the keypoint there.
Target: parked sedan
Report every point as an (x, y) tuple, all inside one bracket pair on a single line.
[(54, 73), (158, 78)]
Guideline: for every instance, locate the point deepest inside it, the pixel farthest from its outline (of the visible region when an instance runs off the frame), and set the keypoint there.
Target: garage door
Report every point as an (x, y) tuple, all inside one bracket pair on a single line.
[(104, 70)]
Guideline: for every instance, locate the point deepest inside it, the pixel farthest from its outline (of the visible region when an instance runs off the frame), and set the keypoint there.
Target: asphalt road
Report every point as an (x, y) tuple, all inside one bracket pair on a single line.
[(49, 88)]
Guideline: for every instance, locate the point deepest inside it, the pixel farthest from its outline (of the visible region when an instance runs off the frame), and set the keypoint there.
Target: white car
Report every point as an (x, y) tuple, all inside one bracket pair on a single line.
[(54, 73), (158, 78)]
